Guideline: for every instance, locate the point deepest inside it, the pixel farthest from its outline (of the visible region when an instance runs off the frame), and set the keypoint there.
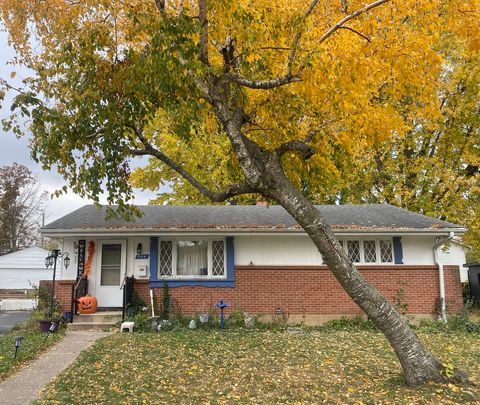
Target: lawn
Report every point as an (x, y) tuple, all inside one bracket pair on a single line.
[(33, 344), (261, 367)]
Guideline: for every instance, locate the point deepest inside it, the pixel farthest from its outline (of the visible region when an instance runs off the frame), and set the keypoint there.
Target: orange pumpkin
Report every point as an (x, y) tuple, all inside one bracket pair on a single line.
[(87, 305)]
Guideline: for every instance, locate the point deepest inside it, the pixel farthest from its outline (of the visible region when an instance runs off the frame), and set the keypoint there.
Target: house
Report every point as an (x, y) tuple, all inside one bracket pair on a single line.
[(259, 260), (20, 273)]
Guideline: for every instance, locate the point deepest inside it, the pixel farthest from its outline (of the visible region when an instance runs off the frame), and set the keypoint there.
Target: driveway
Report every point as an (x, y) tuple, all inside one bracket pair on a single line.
[(8, 319)]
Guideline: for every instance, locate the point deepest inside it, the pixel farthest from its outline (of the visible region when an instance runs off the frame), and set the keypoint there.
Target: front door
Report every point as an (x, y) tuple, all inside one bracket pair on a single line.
[(110, 273)]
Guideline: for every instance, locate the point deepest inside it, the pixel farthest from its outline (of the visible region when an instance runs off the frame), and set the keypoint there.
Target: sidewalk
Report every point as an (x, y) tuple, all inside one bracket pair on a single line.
[(25, 385)]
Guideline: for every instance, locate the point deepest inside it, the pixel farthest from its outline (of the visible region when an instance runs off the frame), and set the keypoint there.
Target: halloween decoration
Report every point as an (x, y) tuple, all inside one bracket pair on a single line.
[(87, 305), (90, 253)]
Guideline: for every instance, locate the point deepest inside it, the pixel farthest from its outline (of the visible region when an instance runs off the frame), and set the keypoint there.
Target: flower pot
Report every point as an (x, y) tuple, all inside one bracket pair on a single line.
[(44, 325)]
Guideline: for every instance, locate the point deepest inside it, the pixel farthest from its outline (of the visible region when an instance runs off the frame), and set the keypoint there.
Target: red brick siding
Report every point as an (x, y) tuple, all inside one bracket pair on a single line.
[(303, 290), (63, 291), (314, 290)]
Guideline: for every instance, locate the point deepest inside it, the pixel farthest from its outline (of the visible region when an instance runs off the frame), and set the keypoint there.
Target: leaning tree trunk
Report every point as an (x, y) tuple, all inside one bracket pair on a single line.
[(264, 174), (419, 365)]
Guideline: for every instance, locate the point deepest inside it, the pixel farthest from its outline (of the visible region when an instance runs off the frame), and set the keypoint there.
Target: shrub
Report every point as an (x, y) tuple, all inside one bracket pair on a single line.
[(136, 305), (235, 320), (165, 302), (142, 322)]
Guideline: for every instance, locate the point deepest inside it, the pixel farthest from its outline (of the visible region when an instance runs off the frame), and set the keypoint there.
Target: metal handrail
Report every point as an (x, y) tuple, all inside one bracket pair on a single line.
[(75, 287)]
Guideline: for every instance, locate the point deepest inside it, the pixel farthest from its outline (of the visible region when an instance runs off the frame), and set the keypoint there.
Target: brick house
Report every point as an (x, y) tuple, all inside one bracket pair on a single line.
[(259, 260)]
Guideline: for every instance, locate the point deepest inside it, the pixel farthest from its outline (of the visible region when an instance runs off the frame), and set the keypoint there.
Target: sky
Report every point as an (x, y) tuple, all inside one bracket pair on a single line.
[(13, 150)]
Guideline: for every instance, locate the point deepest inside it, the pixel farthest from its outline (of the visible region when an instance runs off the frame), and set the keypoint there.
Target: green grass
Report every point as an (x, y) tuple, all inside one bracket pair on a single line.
[(32, 345), (260, 367)]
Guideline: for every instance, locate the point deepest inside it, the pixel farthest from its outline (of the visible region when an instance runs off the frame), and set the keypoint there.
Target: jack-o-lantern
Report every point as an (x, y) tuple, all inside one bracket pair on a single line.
[(87, 305)]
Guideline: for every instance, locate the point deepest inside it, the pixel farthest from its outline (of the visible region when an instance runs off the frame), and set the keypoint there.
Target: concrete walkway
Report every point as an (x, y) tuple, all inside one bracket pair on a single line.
[(24, 386)]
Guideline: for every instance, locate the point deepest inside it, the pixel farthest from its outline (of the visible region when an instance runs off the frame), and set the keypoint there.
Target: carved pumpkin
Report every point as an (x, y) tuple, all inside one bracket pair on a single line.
[(87, 305)]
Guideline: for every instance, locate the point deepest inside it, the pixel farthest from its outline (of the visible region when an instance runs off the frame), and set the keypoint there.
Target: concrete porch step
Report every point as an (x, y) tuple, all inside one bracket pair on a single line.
[(102, 320), (98, 317), (104, 326)]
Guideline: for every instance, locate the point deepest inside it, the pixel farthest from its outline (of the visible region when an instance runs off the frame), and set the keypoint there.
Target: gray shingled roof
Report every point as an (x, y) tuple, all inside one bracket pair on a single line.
[(374, 217)]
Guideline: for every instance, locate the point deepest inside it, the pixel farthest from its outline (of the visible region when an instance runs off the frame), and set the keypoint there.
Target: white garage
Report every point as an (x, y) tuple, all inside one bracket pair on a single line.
[(20, 270)]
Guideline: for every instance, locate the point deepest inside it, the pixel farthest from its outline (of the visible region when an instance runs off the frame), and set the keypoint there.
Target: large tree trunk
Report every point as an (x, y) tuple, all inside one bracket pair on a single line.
[(264, 173), (418, 364)]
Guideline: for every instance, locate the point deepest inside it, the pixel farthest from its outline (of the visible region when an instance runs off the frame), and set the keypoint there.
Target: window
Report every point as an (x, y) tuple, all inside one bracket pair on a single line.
[(386, 251), (111, 263), (192, 259), (369, 251), (353, 250)]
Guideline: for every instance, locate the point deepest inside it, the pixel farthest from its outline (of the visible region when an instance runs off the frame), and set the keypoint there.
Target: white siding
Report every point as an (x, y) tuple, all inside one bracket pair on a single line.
[(278, 250), (418, 250), (454, 255), (19, 270)]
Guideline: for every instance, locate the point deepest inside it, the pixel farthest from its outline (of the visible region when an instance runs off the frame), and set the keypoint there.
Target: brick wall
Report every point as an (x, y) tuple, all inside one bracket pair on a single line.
[(314, 290), (63, 291), (303, 290)]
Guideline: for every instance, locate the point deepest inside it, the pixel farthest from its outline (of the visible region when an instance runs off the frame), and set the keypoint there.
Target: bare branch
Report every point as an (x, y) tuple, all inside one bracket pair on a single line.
[(298, 35), (203, 52), (275, 48), (349, 17), (302, 148), (217, 46), (344, 8), (160, 6), (262, 84), (356, 32), (180, 9), (230, 191)]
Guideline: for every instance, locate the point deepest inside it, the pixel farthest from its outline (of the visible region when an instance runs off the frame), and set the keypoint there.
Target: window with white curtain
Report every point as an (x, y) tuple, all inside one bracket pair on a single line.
[(192, 259)]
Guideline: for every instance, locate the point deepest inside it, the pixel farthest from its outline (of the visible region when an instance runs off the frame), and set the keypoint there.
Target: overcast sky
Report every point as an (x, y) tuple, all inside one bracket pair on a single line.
[(16, 150)]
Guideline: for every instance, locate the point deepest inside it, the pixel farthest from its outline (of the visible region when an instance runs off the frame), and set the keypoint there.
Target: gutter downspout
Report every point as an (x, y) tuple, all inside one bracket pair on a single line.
[(441, 277)]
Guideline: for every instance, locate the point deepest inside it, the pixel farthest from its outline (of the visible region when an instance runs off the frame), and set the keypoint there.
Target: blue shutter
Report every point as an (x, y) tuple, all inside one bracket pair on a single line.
[(153, 258), (397, 250), (230, 258)]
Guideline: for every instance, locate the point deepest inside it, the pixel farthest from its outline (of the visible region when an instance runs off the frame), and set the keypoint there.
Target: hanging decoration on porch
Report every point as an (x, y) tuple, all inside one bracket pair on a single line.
[(90, 253)]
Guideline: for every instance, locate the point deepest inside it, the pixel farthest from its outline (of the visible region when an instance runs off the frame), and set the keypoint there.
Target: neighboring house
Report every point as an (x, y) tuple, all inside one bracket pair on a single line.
[(22, 269), (259, 260)]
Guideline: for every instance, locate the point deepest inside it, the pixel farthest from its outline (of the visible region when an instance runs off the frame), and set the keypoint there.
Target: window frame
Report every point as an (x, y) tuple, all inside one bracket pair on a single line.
[(344, 243), (209, 275)]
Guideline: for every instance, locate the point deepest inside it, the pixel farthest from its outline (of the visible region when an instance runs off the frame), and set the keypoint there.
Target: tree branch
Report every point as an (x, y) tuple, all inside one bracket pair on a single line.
[(302, 148), (298, 35), (202, 15), (349, 17), (356, 32), (160, 6), (231, 190), (262, 84)]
